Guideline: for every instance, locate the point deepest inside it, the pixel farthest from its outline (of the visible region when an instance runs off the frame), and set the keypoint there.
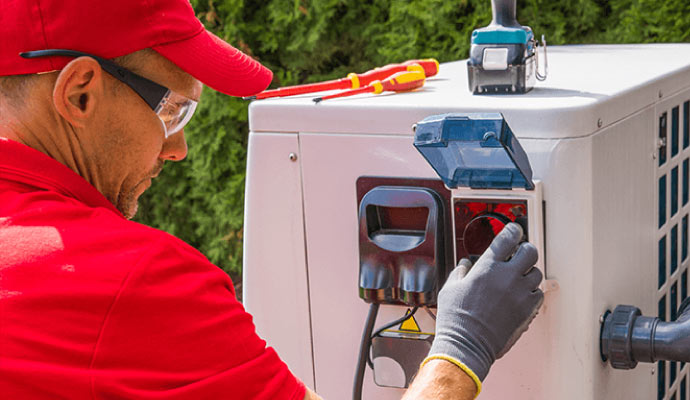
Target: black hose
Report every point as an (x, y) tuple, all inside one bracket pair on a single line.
[(364, 352)]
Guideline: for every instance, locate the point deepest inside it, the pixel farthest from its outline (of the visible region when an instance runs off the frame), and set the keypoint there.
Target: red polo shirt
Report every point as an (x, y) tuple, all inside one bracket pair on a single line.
[(95, 306)]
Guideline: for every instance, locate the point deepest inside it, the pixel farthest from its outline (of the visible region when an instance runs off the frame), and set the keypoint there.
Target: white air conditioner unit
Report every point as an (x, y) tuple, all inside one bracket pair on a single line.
[(607, 138)]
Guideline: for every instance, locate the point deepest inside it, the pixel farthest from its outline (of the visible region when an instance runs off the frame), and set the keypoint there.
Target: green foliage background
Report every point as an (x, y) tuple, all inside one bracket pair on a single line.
[(201, 199)]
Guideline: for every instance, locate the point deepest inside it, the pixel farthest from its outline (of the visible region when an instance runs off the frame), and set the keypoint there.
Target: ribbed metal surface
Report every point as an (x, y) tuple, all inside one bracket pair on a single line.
[(673, 158)]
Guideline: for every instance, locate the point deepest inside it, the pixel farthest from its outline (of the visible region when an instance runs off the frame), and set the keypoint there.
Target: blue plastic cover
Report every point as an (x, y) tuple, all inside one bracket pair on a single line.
[(501, 35), (474, 150)]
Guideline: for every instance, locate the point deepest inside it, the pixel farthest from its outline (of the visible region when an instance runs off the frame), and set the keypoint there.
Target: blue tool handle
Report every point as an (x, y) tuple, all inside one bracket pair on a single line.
[(504, 13)]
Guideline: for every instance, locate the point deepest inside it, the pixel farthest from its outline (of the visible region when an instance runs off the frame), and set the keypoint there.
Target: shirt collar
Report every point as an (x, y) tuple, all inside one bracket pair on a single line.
[(22, 164)]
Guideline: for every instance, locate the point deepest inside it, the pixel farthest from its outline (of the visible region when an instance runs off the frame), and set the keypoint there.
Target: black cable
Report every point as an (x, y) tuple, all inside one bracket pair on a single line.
[(394, 323), (387, 326), (365, 346), (364, 351)]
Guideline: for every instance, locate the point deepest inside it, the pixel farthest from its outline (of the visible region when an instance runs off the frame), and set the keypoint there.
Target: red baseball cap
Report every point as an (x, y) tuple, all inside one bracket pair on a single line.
[(113, 28)]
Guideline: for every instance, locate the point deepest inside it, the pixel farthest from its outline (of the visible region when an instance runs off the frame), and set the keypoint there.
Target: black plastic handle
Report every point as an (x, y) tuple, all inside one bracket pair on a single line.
[(400, 197), (504, 13)]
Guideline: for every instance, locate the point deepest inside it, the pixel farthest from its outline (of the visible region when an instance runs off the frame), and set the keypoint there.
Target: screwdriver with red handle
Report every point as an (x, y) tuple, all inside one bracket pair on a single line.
[(398, 82), (352, 80)]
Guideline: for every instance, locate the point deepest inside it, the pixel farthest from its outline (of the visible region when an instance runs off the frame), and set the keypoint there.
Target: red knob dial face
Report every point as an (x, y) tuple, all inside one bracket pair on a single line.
[(478, 222)]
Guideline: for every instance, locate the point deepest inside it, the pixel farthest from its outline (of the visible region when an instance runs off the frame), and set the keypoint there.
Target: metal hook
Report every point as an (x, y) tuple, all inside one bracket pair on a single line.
[(546, 60)]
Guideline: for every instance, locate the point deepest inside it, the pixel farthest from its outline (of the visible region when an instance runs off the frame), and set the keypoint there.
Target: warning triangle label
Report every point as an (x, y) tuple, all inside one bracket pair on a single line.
[(410, 324)]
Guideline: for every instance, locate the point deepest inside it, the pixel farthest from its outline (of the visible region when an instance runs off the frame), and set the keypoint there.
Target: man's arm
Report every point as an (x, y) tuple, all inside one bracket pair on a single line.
[(310, 395), (437, 380), (441, 380), (186, 335)]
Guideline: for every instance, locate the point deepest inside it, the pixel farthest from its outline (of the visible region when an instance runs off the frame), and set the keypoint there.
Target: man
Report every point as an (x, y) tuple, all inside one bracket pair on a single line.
[(95, 306)]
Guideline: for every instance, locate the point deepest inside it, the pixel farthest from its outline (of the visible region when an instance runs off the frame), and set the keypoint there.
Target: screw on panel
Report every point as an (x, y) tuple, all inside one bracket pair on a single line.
[(600, 123), (489, 135), (292, 157), (550, 285)]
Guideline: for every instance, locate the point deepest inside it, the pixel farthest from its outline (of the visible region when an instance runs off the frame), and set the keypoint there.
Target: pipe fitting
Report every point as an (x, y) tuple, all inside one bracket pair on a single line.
[(627, 337), (616, 337)]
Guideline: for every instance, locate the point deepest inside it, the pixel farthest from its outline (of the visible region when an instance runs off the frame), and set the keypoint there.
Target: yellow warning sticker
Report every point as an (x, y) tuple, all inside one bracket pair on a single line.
[(410, 324)]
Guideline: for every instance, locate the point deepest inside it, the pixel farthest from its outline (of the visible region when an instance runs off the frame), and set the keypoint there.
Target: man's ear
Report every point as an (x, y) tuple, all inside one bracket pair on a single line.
[(78, 88)]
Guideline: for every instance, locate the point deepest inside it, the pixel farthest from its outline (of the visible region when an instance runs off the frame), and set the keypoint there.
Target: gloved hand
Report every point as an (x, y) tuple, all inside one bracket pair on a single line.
[(483, 313)]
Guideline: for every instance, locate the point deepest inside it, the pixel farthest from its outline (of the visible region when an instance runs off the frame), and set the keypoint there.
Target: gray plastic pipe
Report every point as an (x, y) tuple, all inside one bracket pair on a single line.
[(627, 337), (504, 13)]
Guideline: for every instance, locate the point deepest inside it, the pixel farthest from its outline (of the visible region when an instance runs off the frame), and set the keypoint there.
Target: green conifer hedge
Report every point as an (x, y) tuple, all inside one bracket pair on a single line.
[(201, 199)]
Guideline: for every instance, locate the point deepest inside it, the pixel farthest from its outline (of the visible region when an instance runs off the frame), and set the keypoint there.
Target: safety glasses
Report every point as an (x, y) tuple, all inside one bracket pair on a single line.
[(173, 109)]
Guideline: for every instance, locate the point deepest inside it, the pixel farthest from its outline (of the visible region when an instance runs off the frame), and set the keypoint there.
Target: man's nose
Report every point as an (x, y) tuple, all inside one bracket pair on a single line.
[(174, 147)]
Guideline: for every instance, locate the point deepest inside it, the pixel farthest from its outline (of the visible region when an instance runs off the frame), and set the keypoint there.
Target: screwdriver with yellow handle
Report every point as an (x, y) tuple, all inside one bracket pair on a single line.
[(398, 82), (353, 81)]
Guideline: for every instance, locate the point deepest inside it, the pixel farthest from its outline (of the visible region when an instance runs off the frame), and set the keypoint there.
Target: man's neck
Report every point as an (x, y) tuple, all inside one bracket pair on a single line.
[(40, 128)]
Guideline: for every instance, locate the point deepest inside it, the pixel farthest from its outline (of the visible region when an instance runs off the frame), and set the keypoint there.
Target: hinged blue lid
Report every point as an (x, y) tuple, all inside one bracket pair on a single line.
[(474, 150)]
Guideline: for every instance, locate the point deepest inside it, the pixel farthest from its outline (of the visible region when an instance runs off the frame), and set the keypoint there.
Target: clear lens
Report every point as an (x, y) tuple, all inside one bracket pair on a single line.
[(175, 111), (481, 231)]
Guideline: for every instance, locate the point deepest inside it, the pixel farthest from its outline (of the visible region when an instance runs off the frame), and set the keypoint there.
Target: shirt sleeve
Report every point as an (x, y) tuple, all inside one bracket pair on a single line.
[(176, 331)]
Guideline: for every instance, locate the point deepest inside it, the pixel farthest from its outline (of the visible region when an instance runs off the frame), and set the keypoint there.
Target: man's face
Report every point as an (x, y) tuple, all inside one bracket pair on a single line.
[(127, 140)]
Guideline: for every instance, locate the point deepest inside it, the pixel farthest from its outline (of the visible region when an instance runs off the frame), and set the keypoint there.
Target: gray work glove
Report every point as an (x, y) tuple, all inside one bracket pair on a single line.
[(483, 313)]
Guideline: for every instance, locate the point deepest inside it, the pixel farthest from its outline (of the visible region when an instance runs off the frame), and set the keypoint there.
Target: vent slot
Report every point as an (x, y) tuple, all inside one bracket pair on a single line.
[(686, 125), (684, 239), (674, 191), (663, 145), (662, 201), (662, 261), (674, 132), (685, 181), (683, 390), (661, 381), (674, 250)]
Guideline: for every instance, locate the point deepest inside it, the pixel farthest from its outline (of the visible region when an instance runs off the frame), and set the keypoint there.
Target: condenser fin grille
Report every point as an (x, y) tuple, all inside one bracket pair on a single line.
[(673, 186)]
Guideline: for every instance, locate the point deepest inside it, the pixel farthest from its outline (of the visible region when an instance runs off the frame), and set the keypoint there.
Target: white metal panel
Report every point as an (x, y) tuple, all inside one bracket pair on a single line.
[(624, 240), (332, 164), (550, 360), (275, 285), (583, 82)]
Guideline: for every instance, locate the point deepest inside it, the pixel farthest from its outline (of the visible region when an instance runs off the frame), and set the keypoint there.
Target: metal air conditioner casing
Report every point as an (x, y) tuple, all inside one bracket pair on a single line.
[(607, 136)]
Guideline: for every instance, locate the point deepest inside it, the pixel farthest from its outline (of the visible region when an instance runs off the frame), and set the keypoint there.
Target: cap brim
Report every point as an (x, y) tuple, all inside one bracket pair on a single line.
[(217, 64)]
